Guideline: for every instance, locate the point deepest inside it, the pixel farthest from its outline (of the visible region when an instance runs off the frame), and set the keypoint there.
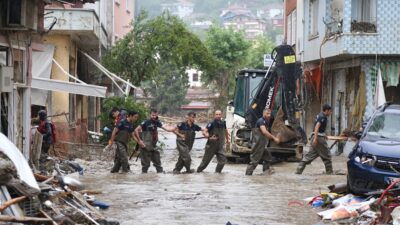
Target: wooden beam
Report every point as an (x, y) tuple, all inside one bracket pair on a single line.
[(10, 202), (27, 220)]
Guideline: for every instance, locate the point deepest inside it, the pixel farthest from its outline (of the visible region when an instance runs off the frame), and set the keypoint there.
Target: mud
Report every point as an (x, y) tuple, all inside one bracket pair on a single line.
[(209, 198)]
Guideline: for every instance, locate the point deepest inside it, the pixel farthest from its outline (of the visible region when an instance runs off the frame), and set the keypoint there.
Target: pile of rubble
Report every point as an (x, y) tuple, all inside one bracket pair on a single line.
[(380, 207), (54, 198)]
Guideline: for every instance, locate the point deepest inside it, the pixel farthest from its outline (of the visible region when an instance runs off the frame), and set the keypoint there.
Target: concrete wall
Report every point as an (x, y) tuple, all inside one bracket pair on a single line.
[(123, 15), (63, 46), (383, 42)]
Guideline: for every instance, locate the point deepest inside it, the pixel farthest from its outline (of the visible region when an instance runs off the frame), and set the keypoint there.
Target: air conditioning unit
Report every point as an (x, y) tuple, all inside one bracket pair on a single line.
[(6, 74), (18, 14)]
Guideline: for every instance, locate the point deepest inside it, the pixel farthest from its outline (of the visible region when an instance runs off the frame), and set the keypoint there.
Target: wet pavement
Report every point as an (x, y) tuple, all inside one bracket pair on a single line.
[(209, 198)]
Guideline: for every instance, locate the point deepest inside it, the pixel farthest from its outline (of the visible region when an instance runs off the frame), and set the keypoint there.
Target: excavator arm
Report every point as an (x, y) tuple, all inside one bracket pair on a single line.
[(278, 90)]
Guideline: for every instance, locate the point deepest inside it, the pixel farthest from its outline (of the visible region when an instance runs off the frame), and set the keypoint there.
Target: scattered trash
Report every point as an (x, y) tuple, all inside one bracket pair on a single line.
[(378, 207), (51, 197)]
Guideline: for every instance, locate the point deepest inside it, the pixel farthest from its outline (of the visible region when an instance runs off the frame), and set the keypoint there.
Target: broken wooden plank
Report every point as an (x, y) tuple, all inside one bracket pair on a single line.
[(7, 204), (40, 177), (26, 219), (82, 201), (337, 138), (48, 217)]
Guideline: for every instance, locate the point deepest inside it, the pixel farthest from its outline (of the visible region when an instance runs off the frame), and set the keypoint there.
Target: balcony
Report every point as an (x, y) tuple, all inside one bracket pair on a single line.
[(82, 24)]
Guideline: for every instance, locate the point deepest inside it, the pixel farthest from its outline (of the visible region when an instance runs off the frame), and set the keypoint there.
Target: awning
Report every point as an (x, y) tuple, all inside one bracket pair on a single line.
[(41, 70), (73, 88)]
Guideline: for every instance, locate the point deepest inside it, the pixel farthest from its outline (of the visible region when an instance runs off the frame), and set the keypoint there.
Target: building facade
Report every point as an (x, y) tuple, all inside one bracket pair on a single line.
[(343, 46)]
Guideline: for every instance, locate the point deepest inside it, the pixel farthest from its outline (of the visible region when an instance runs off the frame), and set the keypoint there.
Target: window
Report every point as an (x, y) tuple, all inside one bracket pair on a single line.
[(291, 28), (363, 16), (385, 125), (239, 101), (19, 58), (128, 6), (313, 17), (3, 56), (195, 77), (117, 2)]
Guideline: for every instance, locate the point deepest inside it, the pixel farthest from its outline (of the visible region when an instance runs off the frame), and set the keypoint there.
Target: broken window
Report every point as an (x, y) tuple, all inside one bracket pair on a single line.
[(363, 16), (313, 17), (4, 96), (334, 17), (195, 77)]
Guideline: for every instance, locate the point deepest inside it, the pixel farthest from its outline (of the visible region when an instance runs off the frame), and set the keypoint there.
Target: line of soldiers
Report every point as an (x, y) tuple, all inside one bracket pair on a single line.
[(146, 136)]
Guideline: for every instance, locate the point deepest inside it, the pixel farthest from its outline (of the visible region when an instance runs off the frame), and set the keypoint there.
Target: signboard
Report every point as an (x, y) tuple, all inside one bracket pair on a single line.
[(267, 60), (290, 59)]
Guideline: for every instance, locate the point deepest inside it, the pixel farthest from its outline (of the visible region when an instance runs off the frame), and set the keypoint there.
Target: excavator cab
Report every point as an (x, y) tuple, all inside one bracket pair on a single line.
[(247, 84)]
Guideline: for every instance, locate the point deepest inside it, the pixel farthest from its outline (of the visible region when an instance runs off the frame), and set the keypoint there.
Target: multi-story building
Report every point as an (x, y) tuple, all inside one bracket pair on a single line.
[(343, 45), (179, 8), (20, 24), (239, 18), (79, 35)]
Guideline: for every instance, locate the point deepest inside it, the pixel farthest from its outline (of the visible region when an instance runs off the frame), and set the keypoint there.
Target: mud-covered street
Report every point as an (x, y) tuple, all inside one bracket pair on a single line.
[(209, 198)]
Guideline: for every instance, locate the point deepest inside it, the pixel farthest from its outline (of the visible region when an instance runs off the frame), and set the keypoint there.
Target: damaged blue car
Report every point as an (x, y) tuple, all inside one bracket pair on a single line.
[(375, 159)]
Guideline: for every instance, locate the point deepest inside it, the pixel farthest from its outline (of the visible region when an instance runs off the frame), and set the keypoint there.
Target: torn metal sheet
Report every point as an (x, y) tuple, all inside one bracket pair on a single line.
[(27, 180)]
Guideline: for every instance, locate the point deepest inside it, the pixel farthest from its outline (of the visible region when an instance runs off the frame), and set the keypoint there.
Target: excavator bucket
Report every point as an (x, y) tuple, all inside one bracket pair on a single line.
[(280, 130)]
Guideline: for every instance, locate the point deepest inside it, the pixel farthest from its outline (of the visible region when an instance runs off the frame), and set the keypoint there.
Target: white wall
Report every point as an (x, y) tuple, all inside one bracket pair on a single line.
[(190, 73)]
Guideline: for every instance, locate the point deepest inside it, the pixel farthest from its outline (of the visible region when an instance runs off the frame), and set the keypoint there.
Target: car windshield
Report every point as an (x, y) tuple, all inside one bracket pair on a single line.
[(386, 125)]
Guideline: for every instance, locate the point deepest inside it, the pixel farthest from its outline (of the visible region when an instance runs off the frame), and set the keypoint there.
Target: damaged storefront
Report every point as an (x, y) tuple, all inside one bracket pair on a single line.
[(351, 87)]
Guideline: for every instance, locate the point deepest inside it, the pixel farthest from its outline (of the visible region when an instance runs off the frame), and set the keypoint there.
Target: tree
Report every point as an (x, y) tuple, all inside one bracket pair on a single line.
[(164, 38), (152, 43), (260, 46), (230, 50), (169, 90)]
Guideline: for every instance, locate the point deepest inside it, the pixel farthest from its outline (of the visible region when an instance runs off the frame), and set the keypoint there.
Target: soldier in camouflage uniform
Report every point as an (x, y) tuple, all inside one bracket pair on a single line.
[(120, 136), (147, 138), (186, 132), (318, 147), (216, 133), (261, 136)]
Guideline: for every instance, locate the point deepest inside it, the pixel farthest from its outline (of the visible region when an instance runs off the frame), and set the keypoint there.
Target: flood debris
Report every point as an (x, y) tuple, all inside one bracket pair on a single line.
[(378, 207), (50, 197)]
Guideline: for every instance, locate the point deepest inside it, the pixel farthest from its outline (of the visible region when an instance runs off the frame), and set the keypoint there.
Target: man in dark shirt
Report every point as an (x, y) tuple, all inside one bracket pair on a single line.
[(147, 138), (261, 136), (186, 132), (216, 133), (45, 129), (117, 114), (319, 147), (120, 136)]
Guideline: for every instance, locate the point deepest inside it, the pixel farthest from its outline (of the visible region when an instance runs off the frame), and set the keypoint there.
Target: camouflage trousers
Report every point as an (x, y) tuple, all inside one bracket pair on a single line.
[(120, 158)]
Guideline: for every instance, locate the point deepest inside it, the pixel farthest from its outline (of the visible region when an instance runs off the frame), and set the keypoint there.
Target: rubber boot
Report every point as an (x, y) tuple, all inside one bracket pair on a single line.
[(266, 166), (329, 169), (219, 168), (249, 173), (300, 168), (188, 170)]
